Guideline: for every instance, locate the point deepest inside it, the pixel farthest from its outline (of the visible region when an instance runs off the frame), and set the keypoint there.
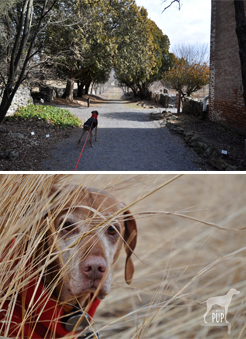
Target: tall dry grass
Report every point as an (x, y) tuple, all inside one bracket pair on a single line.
[(191, 246)]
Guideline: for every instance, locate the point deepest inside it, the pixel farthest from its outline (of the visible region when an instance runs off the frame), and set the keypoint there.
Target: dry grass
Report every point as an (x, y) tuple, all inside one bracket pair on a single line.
[(190, 248)]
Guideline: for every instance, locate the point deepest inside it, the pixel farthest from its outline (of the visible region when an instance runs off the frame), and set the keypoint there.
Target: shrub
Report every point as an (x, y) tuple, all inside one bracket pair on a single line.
[(54, 115)]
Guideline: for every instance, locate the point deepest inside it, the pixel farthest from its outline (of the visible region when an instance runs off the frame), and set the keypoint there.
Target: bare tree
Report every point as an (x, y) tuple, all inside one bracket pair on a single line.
[(241, 35), (22, 25), (198, 53)]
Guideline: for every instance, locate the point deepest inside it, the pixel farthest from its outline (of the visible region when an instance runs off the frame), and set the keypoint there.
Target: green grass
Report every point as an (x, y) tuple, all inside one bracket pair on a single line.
[(54, 115)]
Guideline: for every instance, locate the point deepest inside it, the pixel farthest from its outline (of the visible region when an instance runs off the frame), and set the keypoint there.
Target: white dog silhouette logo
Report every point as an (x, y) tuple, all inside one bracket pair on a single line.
[(222, 301)]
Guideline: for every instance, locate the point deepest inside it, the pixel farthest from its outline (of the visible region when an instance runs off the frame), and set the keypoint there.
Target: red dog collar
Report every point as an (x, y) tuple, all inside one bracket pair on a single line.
[(47, 316), (94, 116)]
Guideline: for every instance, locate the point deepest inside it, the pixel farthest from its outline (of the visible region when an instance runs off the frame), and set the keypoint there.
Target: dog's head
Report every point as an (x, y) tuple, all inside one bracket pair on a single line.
[(88, 232), (95, 112)]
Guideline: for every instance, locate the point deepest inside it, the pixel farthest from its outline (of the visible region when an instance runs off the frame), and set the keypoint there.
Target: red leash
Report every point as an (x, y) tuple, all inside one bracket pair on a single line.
[(83, 148)]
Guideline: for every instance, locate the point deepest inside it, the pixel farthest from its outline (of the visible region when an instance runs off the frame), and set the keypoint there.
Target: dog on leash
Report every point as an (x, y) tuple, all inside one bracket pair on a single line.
[(83, 239), (89, 125)]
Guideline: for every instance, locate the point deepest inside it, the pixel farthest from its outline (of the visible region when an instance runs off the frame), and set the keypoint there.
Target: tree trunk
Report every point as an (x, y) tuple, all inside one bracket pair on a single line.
[(87, 87), (68, 94), (80, 88), (241, 35), (5, 104), (144, 92), (20, 44), (140, 92), (93, 88), (134, 90)]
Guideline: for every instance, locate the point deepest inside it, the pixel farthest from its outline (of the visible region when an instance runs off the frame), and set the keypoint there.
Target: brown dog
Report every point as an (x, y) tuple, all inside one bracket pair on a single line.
[(89, 125), (89, 263), (82, 239)]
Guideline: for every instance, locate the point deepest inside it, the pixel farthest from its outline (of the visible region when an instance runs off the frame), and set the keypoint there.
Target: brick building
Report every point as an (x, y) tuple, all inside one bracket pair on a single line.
[(226, 104)]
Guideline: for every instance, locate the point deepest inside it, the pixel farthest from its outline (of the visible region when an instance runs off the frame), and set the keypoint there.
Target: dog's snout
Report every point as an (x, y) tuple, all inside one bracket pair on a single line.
[(94, 267)]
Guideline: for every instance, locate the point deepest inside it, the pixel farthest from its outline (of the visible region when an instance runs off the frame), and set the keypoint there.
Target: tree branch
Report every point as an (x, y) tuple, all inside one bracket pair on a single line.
[(173, 1)]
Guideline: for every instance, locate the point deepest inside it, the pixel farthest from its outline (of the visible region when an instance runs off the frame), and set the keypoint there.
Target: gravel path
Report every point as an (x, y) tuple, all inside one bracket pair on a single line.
[(127, 141)]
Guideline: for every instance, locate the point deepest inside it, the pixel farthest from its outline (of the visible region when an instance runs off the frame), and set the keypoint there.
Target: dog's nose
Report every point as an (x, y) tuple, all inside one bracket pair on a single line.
[(94, 267)]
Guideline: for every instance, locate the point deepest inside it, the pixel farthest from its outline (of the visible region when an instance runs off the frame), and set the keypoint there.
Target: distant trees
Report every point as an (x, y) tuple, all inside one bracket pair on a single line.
[(191, 70), (191, 53), (187, 78)]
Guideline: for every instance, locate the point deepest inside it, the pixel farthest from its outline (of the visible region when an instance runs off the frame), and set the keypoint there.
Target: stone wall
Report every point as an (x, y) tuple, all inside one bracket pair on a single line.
[(193, 107), (47, 93), (163, 100), (22, 98), (226, 104)]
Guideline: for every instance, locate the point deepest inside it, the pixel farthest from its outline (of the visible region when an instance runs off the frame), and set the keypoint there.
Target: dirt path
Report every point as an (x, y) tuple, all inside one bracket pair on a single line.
[(127, 141)]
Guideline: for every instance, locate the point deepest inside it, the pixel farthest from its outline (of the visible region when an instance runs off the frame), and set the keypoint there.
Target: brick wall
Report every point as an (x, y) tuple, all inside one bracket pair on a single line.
[(226, 103)]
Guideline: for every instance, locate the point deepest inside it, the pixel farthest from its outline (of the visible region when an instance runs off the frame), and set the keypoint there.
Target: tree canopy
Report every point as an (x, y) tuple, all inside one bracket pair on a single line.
[(81, 50), (143, 52), (187, 78)]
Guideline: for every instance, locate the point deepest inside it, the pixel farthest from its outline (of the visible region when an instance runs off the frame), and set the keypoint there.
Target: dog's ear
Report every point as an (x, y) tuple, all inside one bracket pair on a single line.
[(130, 238)]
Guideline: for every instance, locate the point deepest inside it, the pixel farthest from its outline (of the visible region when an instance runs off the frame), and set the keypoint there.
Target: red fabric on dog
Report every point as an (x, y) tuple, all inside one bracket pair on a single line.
[(46, 320)]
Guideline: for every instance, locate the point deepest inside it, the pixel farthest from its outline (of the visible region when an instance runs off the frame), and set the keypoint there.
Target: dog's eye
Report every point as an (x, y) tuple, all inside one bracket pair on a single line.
[(112, 230), (67, 226)]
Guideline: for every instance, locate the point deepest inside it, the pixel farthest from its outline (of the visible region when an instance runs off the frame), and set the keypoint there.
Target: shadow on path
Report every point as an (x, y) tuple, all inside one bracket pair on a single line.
[(124, 149)]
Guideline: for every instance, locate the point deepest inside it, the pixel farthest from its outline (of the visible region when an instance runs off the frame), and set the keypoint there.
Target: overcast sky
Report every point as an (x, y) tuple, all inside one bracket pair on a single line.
[(189, 25)]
